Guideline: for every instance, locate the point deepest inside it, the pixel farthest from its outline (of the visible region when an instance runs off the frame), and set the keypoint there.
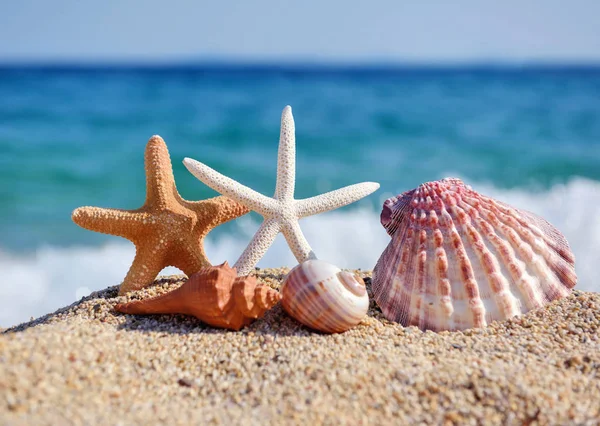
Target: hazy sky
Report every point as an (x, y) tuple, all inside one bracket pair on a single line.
[(416, 30)]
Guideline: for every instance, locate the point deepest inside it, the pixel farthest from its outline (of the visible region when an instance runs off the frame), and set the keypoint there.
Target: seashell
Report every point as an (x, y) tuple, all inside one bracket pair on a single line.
[(459, 259), (214, 295), (323, 297)]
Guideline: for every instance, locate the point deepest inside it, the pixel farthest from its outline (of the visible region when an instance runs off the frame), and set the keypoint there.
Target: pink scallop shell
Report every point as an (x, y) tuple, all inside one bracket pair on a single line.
[(459, 259)]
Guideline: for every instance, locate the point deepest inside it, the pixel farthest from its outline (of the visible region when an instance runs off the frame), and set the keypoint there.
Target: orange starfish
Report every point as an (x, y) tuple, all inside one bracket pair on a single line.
[(167, 230)]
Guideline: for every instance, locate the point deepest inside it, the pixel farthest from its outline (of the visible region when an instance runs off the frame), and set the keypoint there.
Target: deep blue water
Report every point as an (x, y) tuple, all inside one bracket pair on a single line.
[(75, 136)]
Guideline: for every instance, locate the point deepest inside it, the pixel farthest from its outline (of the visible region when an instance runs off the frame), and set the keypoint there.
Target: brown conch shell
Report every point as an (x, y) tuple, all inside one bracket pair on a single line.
[(323, 297), (214, 295), (459, 259)]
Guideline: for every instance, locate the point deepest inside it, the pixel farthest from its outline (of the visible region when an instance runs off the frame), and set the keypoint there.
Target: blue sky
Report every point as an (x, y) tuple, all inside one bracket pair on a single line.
[(327, 30)]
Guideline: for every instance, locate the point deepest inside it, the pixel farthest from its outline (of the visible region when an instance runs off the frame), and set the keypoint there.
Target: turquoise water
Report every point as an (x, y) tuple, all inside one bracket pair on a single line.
[(73, 136)]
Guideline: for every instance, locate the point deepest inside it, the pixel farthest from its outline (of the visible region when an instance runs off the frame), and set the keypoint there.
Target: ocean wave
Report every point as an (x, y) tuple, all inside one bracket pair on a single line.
[(53, 277)]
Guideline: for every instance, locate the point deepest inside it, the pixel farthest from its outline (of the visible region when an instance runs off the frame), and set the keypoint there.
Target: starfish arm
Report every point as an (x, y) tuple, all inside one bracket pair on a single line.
[(334, 199), (259, 245), (214, 211), (147, 264), (230, 188), (286, 157), (297, 242), (122, 223), (226, 210), (190, 260), (160, 182)]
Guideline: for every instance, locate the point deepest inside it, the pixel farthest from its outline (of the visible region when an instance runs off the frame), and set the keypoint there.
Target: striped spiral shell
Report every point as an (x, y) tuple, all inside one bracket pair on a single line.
[(323, 297), (459, 259)]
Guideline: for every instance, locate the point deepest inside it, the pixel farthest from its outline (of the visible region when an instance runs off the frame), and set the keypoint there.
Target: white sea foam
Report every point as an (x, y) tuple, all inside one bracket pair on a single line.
[(54, 277)]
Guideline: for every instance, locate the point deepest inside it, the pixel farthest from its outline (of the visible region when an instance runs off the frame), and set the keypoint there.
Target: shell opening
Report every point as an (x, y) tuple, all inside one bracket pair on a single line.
[(352, 282)]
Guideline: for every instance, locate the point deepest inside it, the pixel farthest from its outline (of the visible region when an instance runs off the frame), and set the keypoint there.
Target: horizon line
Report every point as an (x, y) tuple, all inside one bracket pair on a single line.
[(296, 64)]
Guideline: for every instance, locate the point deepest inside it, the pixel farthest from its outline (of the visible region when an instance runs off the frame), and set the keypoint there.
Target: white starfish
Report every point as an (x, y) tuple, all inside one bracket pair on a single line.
[(282, 212)]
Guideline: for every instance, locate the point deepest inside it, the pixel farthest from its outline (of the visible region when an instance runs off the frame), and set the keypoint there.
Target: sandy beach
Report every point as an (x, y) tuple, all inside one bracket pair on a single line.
[(86, 364)]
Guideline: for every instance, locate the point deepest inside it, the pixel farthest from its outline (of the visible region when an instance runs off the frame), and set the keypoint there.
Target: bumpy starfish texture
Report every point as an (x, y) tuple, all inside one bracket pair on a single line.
[(282, 212), (167, 230)]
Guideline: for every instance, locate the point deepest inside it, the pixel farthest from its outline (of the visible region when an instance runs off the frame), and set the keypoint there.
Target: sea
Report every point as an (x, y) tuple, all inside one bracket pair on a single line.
[(72, 136)]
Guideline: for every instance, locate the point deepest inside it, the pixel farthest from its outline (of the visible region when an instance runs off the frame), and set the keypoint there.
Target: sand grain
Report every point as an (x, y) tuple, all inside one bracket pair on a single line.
[(87, 364)]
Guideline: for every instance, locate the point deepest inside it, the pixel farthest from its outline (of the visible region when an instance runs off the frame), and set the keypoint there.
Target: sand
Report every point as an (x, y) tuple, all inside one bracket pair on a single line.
[(86, 364)]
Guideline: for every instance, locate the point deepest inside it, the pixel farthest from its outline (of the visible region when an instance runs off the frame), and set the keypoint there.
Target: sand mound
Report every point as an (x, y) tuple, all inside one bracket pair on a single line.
[(86, 364)]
